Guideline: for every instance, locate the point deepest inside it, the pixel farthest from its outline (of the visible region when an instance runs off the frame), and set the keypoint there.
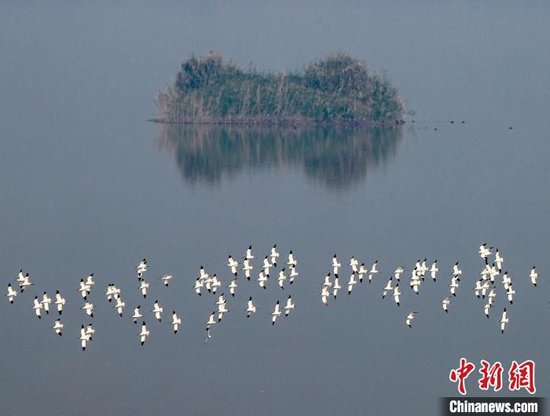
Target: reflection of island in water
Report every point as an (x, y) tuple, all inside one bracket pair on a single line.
[(335, 156)]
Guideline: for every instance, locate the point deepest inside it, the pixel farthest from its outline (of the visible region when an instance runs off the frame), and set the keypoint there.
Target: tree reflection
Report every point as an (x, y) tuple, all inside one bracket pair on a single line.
[(335, 156)]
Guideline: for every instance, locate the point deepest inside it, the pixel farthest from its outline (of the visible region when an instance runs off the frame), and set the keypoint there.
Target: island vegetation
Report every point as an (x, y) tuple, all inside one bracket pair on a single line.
[(337, 89)]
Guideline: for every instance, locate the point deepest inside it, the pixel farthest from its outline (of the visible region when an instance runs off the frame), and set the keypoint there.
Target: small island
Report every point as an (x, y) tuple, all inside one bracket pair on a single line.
[(335, 90)]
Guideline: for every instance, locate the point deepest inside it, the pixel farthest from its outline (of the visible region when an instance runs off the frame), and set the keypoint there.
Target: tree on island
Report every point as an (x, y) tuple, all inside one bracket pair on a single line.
[(336, 89)]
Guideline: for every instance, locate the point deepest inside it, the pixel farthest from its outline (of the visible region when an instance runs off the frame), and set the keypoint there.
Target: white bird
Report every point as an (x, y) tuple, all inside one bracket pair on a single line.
[(144, 333), (222, 309), (141, 268), (423, 268), (510, 294), (352, 282), (247, 268), (89, 308), (90, 331), (477, 288), (109, 293), (281, 278), (37, 307), (120, 306), (503, 321), (232, 287), (58, 327), (324, 295), (354, 264), (249, 255), (276, 313), (274, 255), (396, 294), (361, 272), (336, 286), (484, 252), (266, 266), (293, 274), (491, 297), (289, 306), (84, 338), (398, 272), (445, 303), (453, 286), (84, 289), (137, 314), (232, 264), (202, 274), (434, 270), (456, 270), (373, 270), (506, 281), (250, 308), (409, 318), (291, 260), (327, 283), (262, 280), (486, 308), (199, 284), (25, 283), (143, 287), (533, 276), (20, 276), (12, 293), (59, 302), (157, 310), (166, 279), (176, 322), (415, 284), (216, 283), (211, 320), (498, 260), (388, 288), (90, 280)]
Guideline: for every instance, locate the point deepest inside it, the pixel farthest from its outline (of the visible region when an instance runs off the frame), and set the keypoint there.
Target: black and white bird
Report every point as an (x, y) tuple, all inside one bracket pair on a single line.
[(409, 318), (289, 305), (433, 270), (274, 255), (335, 265), (336, 286), (84, 338), (59, 302), (37, 307), (250, 307), (533, 275), (120, 306), (351, 282), (58, 327), (12, 293), (291, 260), (247, 268), (89, 309), (176, 322), (166, 279), (293, 274), (143, 287), (354, 264), (143, 334), (157, 310), (249, 255), (232, 264), (232, 287), (137, 314), (396, 294), (388, 288), (281, 278), (503, 321), (276, 313), (445, 303), (142, 268)]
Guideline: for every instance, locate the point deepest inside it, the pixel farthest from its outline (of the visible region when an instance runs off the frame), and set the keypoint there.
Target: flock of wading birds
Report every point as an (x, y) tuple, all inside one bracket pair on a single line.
[(485, 288)]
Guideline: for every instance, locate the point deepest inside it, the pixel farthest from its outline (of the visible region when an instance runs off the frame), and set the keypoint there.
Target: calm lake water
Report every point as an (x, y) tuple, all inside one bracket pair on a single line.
[(89, 186)]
